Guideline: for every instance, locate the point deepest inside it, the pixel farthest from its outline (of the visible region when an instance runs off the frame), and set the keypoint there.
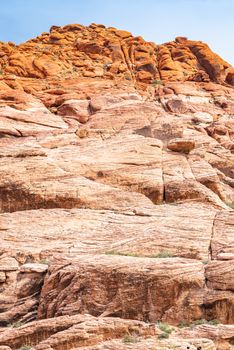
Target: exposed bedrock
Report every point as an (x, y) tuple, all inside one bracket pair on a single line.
[(116, 193)]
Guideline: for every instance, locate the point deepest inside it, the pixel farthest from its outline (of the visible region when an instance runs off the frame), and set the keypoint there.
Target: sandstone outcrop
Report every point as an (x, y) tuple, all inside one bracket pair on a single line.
[(116, 193), (97, 51)]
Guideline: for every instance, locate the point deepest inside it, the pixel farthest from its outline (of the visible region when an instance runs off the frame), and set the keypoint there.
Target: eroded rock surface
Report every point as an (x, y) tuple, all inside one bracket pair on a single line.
[(97, 51), (116, 193)]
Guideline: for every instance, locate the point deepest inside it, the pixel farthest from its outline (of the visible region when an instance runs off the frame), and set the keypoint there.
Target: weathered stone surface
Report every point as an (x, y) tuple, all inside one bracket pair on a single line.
[(147, 232), (38, 331), (2, 277), (8, 264), (153, 343), (181, 145), (19, 290), (108, 284), (87, 332), (30, 188), (108, 52), (26, 116), (176, 106), (40, 268), (220, 275), (222, 245), (180, 183), (75, 109), (202, 117), (222, 335), (116, 146), (219, 305), (75, 331)]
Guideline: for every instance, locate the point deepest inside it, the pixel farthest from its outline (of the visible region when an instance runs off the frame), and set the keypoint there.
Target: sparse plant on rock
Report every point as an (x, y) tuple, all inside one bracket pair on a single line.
[(159, 255), (115, 252), (163, 254), (157, 82), (129, 339), (15, 324), (205, 262), (199, 322), (183, 324), (231, 205), (203, 321), (214, 322), (164, 327), (163, 335), (128, 77), (25, 347), (44, 261)]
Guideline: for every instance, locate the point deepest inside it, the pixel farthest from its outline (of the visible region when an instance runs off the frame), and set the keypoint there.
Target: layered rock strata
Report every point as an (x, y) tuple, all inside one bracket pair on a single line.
[(116, 193)]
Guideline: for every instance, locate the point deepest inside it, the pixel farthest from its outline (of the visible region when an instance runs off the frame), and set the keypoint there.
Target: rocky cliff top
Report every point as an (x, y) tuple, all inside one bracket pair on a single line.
[(95, 51), (116, 193)]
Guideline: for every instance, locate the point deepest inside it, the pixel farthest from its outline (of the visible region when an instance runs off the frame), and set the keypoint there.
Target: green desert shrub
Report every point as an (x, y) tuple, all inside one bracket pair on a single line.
[(203, 321), (231, 205), (164, 327), (157, 82), (163, 335), (44, 261), (163, 254), (183, 324), (115, 252), (129, 339), (16, 324)]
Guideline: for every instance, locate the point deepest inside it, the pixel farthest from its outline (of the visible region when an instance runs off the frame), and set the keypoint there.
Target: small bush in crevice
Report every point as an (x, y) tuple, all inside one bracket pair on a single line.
[(204, 321), (163, 254), (25, 347), (164, 327), (163, 335), (157, 82), (183, 324), (115, 252), (231, 205), (44, 261), (198, 323), (16, 324), (129, 339)]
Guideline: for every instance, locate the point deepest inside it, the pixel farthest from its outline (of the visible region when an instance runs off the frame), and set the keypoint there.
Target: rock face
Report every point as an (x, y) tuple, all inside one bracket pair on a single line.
[(97, 51), (106, 285), (116, 193)]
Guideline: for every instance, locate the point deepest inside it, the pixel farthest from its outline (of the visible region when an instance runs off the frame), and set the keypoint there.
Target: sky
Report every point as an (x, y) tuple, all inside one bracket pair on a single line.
[(211, 21)]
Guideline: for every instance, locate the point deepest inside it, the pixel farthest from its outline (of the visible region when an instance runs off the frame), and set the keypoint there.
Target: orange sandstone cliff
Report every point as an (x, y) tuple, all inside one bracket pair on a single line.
[(98, 52)]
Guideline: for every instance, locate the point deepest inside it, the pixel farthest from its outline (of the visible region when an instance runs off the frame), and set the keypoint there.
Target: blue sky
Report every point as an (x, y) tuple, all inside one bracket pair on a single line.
[(211, 21)]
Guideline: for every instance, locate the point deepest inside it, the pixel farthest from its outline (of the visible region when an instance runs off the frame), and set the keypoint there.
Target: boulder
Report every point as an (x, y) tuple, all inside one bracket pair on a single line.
[(181, 145)]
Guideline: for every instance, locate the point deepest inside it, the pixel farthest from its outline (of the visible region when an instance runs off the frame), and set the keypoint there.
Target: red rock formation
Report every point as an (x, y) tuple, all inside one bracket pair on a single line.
[(98, 52), (113, 146)]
